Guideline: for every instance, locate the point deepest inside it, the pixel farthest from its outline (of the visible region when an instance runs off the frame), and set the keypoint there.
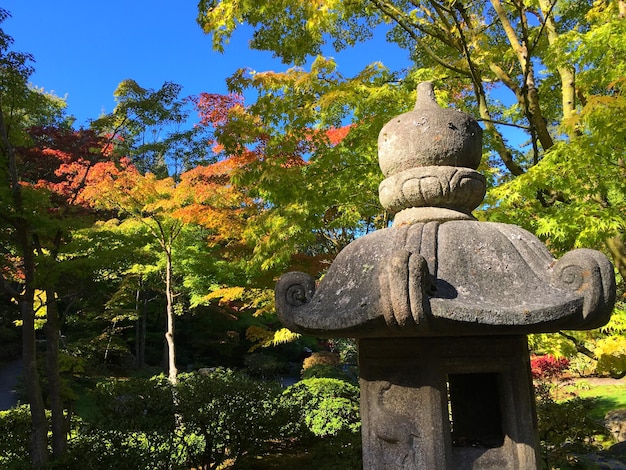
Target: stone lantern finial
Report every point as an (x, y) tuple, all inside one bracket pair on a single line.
[(429, 156)]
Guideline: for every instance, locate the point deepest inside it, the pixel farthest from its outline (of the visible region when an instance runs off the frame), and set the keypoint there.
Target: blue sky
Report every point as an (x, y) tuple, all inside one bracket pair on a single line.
[(84, 49)]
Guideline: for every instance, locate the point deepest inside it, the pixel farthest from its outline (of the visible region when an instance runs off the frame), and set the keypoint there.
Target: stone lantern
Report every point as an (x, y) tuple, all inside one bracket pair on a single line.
[(441, 304)]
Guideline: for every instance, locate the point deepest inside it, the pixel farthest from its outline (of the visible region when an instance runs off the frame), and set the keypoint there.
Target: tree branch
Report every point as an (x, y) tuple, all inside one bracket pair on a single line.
[(407, 25), (580, 347)]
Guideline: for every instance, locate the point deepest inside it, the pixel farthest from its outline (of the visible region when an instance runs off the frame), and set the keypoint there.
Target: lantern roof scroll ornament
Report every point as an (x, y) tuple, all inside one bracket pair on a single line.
[(438, 271)]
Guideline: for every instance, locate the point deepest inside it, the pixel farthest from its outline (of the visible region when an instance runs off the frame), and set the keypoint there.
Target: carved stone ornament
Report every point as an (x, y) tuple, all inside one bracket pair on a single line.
[(437, 271)]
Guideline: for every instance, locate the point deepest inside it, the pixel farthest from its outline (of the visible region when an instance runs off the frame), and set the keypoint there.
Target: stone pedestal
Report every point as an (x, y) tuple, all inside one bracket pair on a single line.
[(447, 403)]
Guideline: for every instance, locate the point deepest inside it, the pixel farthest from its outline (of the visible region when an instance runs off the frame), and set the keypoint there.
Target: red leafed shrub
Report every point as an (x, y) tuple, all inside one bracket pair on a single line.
[(547, 367)]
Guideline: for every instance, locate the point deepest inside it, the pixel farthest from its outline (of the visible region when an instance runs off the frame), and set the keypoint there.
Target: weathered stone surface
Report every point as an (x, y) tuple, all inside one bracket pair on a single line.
[(408, 423), (460, 189), (429, 136), (457, 277), (615, 422)]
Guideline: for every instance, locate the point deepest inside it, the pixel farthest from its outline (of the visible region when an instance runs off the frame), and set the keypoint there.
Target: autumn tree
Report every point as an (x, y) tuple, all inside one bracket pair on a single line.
[(154, 131), (479, 52), (44, 167), (56, 164), (276, 211), (15, 97), (149, 201)]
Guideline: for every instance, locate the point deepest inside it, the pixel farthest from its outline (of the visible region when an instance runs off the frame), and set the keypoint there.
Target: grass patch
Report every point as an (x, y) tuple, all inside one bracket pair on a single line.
[(607, 398), (84, 405)]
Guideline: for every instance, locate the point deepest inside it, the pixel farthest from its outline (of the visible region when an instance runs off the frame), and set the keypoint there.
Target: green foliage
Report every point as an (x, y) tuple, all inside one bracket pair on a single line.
[(134, 422), (346, 348), (328, 409), (327, 371), (315, 398), (317, 178), (14, 438), (202, 422), (567, 427), (228, 416), (581, 183), (148, 126), (135, 404), (96, 448)]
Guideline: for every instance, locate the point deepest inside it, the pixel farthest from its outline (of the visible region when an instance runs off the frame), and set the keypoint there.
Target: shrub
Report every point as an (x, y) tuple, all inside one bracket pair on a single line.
[(15, 438), (611, 354), (329, 410), (322, 357), (226, 415), (548, 367), (566, 428), (135, 404), (326, 364), (99, 449), (326, 371), (546, 370), (135, 421)]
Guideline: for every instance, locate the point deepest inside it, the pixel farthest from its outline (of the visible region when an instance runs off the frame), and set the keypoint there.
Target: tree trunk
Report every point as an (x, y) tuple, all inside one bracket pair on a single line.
[(141, 306), (528, 95), (566, 73), (500, 145), (39, 423), (617, 247), (169, 335), (52, 328)]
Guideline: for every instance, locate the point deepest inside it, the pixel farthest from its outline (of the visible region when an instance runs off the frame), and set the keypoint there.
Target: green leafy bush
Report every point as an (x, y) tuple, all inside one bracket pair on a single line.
[(326, 371), (329, 410), (566, 428), (96, 448), (15, 438), (135, 404), (226, 415), (135, 423), (206, 421)]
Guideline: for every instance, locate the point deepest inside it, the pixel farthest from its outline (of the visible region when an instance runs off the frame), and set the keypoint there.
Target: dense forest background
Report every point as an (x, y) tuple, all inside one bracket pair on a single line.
[(152, 238)]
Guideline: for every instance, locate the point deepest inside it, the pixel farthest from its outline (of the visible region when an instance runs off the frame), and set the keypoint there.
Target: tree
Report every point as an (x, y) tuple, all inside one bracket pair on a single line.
[(152, 128), (150, 202), (269, 207), (16, 100), (481, 50), (57, 163), (560, 64), (44, 167)]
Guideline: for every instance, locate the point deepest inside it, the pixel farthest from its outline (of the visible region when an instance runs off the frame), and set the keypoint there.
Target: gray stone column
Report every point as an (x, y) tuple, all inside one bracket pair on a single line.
[(447, 403)]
